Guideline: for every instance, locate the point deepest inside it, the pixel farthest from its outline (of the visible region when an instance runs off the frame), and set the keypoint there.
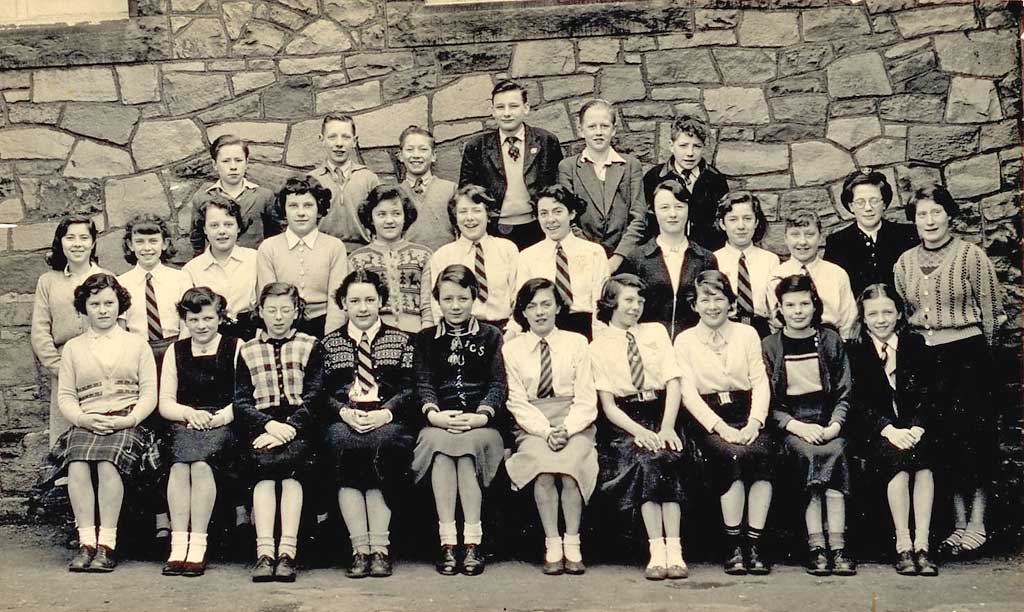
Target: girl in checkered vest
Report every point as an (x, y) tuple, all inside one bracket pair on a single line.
[(277, 385)]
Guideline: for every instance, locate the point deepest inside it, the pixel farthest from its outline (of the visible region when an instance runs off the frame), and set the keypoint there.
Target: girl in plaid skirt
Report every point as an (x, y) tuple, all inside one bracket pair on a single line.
[(107, 387)]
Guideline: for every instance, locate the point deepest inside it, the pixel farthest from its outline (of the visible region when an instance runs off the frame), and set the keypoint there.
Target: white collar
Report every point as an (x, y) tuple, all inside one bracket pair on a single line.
[(293, 239), (681, 248), (93, 269), (893, 343), (613, 157), (246, 185), (157, 270), (96, 336), (469, 245), (427, 177), (520, 134), (356, 334), (749, 251), (443, 328), (206, 258)]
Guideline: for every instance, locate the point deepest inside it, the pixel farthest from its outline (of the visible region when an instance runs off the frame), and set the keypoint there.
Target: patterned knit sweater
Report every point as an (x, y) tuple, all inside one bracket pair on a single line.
[(960, 293), (403, 267)]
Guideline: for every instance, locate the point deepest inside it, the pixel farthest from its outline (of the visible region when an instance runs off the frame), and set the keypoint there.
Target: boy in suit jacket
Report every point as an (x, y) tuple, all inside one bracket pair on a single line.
[(703, 183), (609, 183), (512, 163)]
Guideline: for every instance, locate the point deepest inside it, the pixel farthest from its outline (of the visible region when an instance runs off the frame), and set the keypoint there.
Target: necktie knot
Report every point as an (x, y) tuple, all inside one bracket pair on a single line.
[(417, 186), (513, 147), (149, 276)]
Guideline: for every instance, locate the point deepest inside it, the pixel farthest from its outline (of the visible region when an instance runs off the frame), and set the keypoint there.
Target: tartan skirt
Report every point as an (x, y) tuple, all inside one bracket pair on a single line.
[(133, 451)]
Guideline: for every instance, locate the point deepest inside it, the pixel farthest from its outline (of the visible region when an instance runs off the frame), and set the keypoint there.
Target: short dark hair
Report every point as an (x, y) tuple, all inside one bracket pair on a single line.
[(98, 282), (735, 198), (475, 194), (277, 289), (301, 185), (525, 295), (384, 193), (504, 85), (798, 283), (196, 298), (675, 188), (222, 202), (878, 290), (936, 193), (803, 217), (589, 104), (415, 130), (610, 294), (563, 195), (689, 124), (338, 117), (147, 223), (56, 258), (225, 140), (710, 281), (361, 276), (461, 276), (865, 177)]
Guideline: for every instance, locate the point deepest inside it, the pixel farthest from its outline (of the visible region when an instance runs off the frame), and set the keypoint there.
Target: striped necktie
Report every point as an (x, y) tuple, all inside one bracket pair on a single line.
[(744, 294), (155, 331), (545, 385), (563, 282), (364, 368), (889, 363), (636, 364), (480, 271)]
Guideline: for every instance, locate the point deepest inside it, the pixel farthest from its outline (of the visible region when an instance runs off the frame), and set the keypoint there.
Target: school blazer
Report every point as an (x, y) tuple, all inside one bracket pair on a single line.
[(874, 397), (849, 249), (834, 368), (709, 188), (482, 164), (662, 306), (616, 215)]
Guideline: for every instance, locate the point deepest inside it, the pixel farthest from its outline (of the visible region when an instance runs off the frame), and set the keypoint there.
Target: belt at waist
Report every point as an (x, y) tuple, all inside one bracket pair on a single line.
[(714, 400)]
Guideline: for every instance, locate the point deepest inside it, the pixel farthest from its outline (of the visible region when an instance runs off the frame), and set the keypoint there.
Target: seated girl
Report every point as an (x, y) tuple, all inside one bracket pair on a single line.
[(551, 397)]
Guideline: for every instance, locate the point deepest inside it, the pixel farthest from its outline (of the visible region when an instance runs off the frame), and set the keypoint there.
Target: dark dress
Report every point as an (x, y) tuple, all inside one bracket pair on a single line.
[(663, 305), (865, 260), (904, 407), (820, 465), (727, 462), (709, 188), (204, 383), (378, 459)]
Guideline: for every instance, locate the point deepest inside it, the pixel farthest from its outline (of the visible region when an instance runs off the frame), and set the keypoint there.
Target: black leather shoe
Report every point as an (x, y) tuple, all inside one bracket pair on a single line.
[(360, 567), (843, 565), (82, 560), (755, 563), (925, 566), (734, 565), (574, 568), (104, 561), (284, 571), (446, 564), (553, 568), (905, 565), (380, 565), (172, 568), (817, 563), (263, 571), (193, 569), (473, 560)]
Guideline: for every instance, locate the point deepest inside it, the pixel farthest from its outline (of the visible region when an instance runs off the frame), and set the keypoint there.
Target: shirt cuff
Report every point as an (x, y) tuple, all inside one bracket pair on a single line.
[(485, 410)]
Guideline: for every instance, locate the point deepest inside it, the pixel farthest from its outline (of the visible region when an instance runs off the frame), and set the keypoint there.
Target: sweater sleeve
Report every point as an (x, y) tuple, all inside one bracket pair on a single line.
[(985, 286), (312, 386), (760, 388), (245, 404), (426, 393), (399, 403), (842, 383), (336, 317), (426, 299), (169, 407), (67, 385), (497, 387), (147, 384), (771, 349), (42, 328)]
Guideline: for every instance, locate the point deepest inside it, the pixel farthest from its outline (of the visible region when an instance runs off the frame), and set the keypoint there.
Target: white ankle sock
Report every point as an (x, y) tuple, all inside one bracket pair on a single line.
[(571, 547), (288, 545), (552, 550), (108, 537), (179, 546), (657, 546), (674, 552), (449, 534), (87, 536), (196, 547), (472, 533)]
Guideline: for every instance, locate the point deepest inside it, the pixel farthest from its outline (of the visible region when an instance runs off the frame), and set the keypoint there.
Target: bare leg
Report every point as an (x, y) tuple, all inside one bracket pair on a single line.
[(111, 494), (545, 494), (469, 490), (924, 497), (898, 492), (572, 505), (179, 486), (83, 497), (733, 502), (352, 504), (760, 500), (204, 496)]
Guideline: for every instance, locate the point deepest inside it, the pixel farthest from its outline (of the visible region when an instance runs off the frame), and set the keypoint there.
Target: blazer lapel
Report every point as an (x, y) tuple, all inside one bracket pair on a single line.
[(493, 146), (529, 147), (590, 183), (612, 177)]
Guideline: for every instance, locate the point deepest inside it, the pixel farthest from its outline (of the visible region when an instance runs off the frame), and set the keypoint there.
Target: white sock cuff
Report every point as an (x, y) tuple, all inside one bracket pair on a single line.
[(108, 537), (571, 539)]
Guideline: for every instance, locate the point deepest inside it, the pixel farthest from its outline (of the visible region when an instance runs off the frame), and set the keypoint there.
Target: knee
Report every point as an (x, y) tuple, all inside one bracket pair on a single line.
[(834, 494), (107, 471), (544, 483), (202, 469)]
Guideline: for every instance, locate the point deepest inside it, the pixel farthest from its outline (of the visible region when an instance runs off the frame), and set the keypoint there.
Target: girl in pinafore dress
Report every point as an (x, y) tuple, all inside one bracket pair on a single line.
[(197, 386), (726, 389), (368, 383), (890, 372), (277, 386), (810, 378), (387, 214), (107, 388), (460, 384), (637, 381), (551, 397)]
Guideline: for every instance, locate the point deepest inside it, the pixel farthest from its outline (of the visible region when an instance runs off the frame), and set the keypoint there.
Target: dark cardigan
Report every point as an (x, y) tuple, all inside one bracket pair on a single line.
[(874, 397), (852, 251), (470, 377), (392, 355), (835, 375)]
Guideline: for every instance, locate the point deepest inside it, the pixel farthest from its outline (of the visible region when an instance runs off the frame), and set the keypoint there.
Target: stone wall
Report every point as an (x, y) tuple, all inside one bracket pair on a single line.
[(800, 93)]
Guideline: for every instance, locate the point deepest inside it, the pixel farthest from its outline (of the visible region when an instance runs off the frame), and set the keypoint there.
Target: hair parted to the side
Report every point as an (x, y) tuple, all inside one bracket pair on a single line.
[(803, 217), (415, 130), (563, 195), (197, 298), (691, 125), (386, 193), (278, 289), (98, 282), (610, 291), (301, 185), (461, 276), (147, 224), (871, 292), (597, 103), (361, 276), (525, 295), (798, 283), (225, 140), (710, 282), (230, 207), (338, 117), (869, 177), (477, 195), (56, 258), (936, 193), (736, 198), (504, 85)]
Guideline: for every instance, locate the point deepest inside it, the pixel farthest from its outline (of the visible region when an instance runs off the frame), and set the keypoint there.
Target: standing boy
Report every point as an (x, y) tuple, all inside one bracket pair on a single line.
[(430, 194)]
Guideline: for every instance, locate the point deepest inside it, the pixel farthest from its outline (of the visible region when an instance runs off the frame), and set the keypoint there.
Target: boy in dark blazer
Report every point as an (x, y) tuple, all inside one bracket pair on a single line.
[(512, 163), (703, 183), (868, 248)]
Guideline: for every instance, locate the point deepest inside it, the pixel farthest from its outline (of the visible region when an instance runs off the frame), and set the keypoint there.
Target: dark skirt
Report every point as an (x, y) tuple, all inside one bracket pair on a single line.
[(633, 476), (133, 451), (292, 460), (378, 459), (964, 418), (887, 460), (819, 466), (725, 463), (214, 446)]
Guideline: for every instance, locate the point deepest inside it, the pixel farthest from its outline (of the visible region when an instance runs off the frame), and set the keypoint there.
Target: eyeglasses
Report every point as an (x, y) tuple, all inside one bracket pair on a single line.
[(861, 202)]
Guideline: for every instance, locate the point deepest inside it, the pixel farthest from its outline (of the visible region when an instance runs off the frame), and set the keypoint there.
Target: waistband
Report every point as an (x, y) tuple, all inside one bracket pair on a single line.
[(722, 398)]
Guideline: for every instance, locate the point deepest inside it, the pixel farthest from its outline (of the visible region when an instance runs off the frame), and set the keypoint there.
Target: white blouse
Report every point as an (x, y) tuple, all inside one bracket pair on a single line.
[(761, 265), (169, 407), (588, 269), (610, 359)]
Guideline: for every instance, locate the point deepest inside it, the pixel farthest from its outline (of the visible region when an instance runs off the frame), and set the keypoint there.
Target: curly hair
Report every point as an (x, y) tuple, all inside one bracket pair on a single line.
[(691, 125), (196, 298), (277, 289), (563, 195), (710, 282), (475, 194), (56, 258), (229, 206), (147, 224), (386, 193), (98, 282), (857, 179), (301, 185), (936, 193), (610, 294), (361, 276)]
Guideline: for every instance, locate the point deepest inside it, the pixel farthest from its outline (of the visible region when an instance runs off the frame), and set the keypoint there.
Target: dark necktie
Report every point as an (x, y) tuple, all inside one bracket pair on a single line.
[(563, 282), (636, 364), (417, 186), (480, 271), (154, 330), (364, 367), (545, 386), (744, 294), (513, 147)]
